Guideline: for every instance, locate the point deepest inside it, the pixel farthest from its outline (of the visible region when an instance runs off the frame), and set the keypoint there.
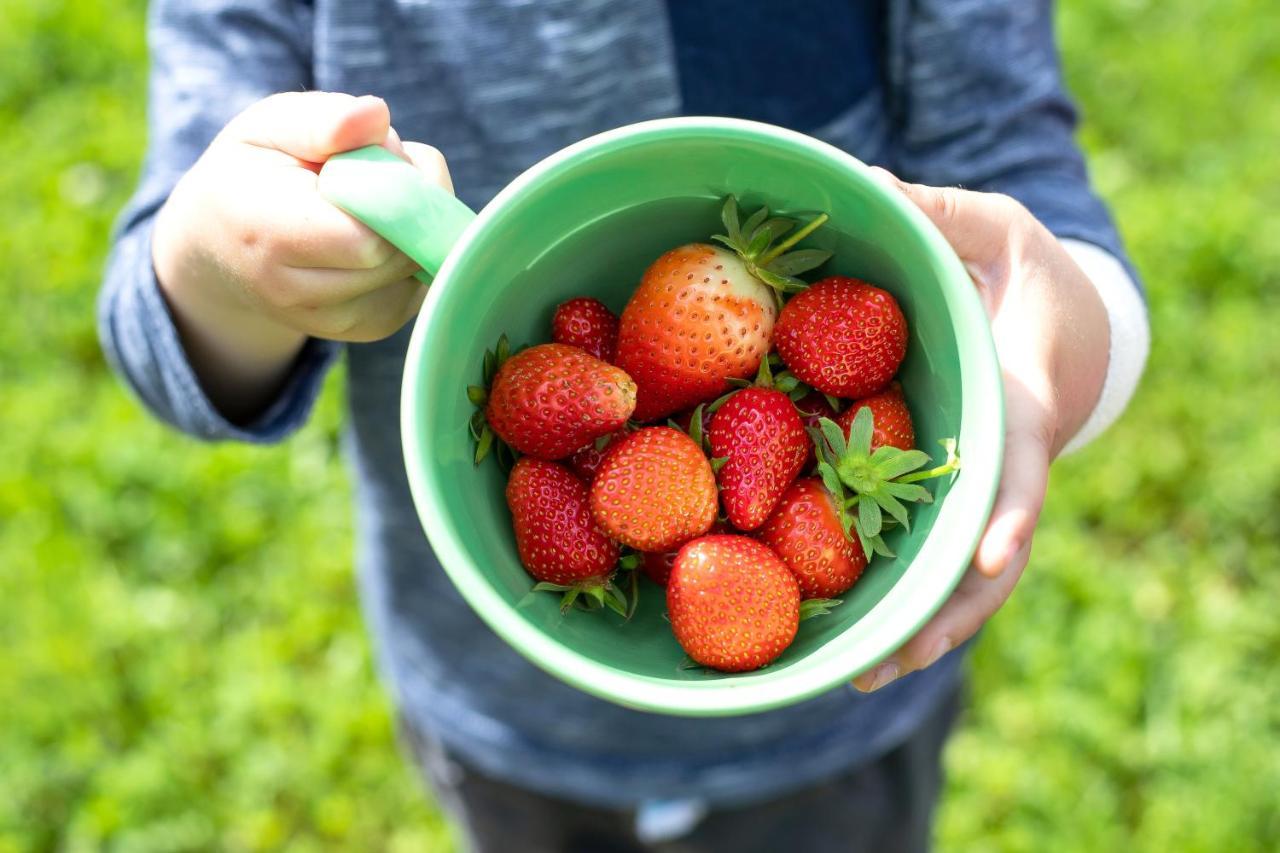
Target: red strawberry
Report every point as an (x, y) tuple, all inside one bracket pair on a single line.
[(551, 400), (587, 324), (657, 566), (805, 532), (812, 408), (891, 416), (654, 490), (842, 336), (703, 314), (697, 319), (761, 437), (587, 461), (733, 605), (556, 538)]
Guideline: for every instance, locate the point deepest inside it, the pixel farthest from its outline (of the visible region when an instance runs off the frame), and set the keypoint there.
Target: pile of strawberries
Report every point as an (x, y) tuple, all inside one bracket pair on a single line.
[(737, 436)]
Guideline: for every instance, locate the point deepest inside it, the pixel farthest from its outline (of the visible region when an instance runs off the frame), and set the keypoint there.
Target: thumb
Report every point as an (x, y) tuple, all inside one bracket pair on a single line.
[(976, 224), (313, 126)]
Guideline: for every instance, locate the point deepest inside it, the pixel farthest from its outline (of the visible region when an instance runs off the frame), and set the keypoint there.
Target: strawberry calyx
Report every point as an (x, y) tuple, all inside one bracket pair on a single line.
[(785, 381), (764, 244), (874, 484), (485, 438), (699, 435), (629, 567), (688, 664), (591, 594), (812, 607)]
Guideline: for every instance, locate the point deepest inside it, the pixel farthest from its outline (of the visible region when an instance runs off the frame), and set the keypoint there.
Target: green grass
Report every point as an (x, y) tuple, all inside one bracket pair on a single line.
[(182, 659)]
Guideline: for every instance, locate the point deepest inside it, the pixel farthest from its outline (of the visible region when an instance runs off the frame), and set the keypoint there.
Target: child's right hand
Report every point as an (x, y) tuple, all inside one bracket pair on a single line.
[(253, 261)]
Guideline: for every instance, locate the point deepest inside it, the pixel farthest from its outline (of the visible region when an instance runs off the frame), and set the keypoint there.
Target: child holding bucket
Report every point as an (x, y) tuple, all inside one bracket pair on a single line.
[(233, 286)]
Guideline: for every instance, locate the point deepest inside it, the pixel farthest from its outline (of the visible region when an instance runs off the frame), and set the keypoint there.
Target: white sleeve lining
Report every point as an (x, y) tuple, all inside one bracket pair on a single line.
[(1130, 337)]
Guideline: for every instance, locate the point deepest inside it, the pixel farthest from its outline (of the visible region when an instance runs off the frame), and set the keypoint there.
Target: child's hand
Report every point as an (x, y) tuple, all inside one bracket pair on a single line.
[(1052, 336), (253, 261)]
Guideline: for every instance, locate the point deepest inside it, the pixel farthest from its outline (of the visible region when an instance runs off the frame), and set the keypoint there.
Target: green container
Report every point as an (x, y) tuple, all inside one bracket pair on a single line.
[(587, 221)]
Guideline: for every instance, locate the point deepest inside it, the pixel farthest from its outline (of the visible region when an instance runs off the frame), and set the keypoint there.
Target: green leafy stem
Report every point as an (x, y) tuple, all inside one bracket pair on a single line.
[(769, 261), (873, 490)]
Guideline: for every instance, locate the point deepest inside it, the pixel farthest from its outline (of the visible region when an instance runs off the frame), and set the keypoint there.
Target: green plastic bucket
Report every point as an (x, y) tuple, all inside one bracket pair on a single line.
[(587, 221)]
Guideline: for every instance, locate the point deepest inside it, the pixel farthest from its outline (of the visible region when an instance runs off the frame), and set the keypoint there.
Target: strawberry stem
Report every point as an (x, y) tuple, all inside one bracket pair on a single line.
[(773, 254), (941, 470), (952, 464)]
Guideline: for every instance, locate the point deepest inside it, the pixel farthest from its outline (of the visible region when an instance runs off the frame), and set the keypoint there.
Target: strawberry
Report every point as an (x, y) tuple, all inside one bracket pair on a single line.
[(556, 537), (654, 490), (587, 461), (842, 336), (892, 419), (587, 324), (657, 565), (703, 314), (813, 407), (549, 400), (761, 437), (697, 319), (805, 531), (732, 602)]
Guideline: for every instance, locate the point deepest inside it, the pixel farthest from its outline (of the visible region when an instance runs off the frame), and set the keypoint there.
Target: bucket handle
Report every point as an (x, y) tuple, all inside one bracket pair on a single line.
[(398, 202)]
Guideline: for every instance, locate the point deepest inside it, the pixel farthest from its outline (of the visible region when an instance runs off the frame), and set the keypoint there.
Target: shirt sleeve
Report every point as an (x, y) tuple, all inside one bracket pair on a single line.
[(209, 60), (978, 101), (1130, 337)]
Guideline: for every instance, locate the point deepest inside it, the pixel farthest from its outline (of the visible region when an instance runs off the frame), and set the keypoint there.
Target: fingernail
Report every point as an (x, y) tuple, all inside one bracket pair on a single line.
[(880, 676), (996, 559), (395, 146), (941, 648)]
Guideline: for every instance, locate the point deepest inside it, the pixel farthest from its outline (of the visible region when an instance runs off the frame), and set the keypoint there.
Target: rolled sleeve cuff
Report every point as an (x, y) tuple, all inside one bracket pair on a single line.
[(143, 344), (1130, 336)]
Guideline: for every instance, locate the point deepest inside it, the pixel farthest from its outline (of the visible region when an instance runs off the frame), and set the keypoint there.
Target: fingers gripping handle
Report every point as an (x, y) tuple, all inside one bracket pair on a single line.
[(397, 202)]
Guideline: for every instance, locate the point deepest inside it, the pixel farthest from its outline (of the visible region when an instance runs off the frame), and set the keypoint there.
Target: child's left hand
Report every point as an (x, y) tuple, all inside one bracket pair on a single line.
[(1052, 337)]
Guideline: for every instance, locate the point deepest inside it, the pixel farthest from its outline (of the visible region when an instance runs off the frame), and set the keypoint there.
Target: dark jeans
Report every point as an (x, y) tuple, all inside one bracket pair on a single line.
[(886, 806)]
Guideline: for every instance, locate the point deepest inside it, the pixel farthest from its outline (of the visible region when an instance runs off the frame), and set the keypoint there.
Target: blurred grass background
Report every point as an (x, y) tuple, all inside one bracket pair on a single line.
[(182, 661)]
